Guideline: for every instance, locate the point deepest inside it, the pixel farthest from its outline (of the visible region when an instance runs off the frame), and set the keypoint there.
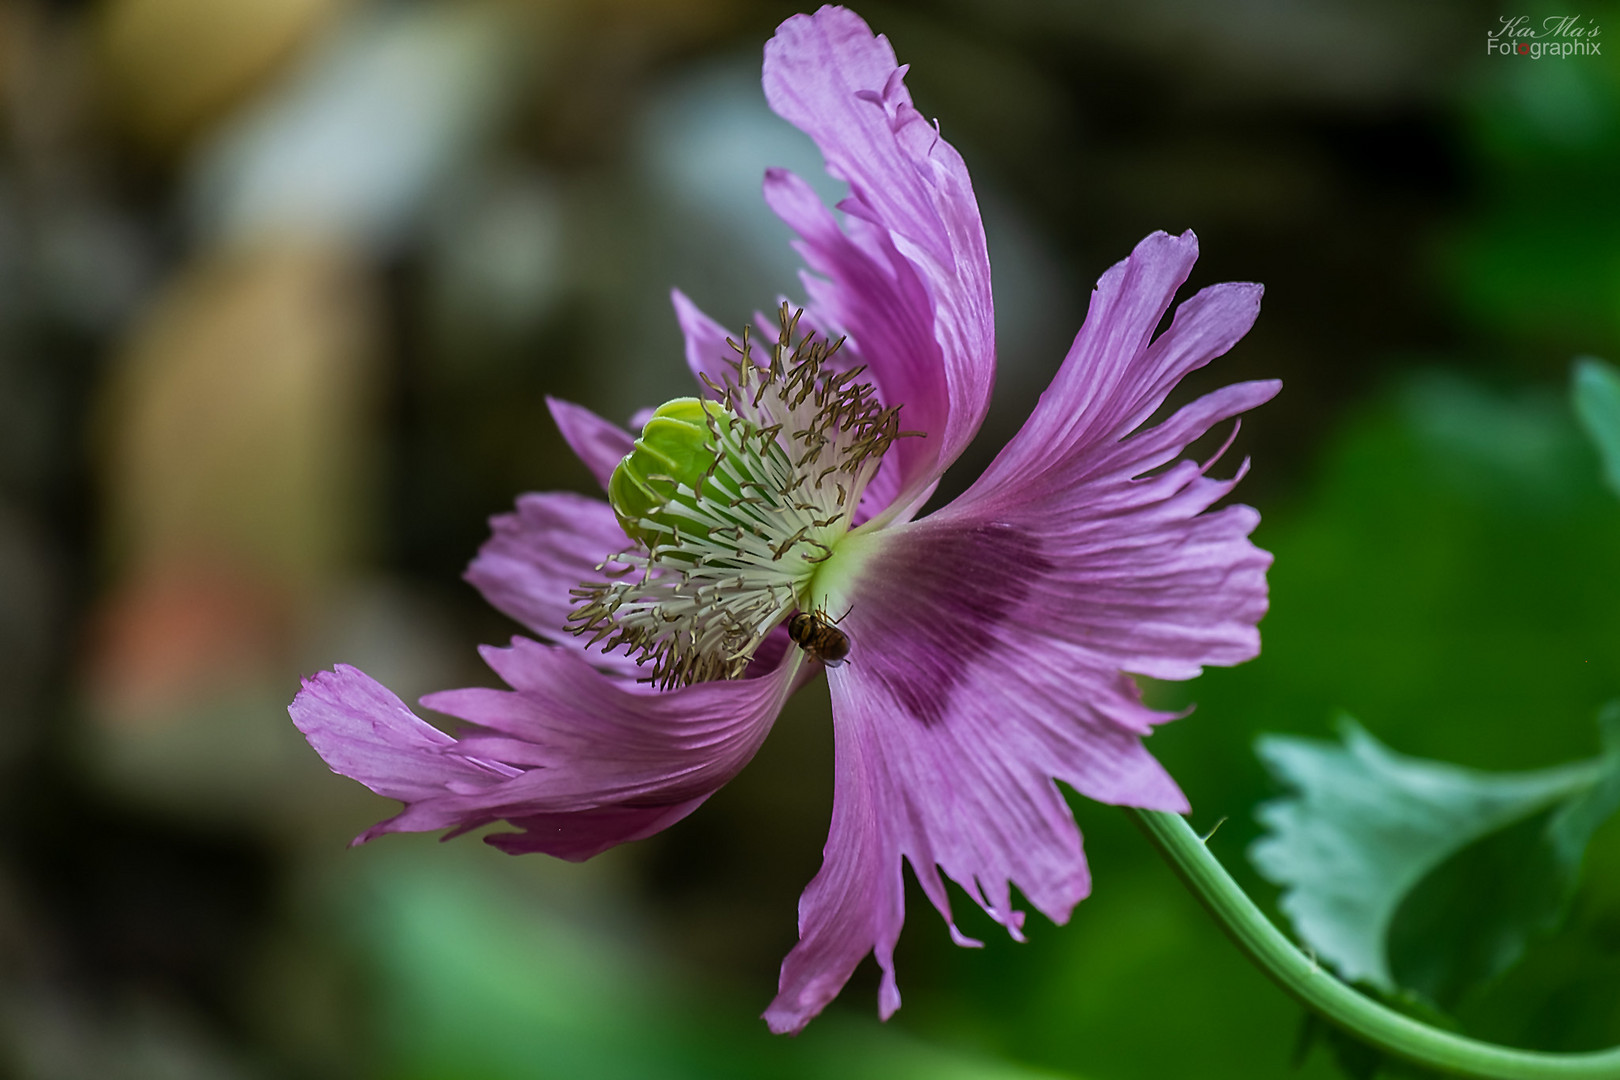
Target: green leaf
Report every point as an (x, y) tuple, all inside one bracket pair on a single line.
[(1471, 918), (1597, 403), (1358, 847), (1574, 823)]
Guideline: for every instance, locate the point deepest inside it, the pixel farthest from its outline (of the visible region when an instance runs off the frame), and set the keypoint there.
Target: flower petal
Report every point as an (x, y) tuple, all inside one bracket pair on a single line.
[(952, 618), (363, 731), (873, 297), (599, 443), (1138, 576), (952, 719), (583, 834), (828, 75), (1115, 375), (537, 556), (573, 758), (855, 905), (613, 745), (709, 354)]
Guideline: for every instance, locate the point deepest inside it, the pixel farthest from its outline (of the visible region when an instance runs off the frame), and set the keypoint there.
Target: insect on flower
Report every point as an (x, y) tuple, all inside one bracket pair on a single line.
[(816, 634), (996, 637)]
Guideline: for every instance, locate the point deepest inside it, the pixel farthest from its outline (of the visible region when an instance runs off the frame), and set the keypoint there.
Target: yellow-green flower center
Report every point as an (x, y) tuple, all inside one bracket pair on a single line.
[(676, 449)]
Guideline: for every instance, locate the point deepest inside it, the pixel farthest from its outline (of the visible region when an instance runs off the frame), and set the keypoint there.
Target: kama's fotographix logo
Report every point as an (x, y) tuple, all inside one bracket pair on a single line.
[(1555, 37)]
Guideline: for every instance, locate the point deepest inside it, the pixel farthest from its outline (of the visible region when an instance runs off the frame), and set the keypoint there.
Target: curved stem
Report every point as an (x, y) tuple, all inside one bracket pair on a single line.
[(1334, 1001)]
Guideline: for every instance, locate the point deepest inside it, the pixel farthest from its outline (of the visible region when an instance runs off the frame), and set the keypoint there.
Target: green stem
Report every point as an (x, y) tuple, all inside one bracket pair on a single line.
[(1323, 993)]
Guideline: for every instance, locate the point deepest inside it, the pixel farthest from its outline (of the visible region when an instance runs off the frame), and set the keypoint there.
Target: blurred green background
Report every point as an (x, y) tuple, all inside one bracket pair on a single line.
[(283, 284)]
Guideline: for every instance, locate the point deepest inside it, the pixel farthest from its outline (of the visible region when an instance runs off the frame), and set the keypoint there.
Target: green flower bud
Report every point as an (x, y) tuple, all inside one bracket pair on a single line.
[(676, 447)]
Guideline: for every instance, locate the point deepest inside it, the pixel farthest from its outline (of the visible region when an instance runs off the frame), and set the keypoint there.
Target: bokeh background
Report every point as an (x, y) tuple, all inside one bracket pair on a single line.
[(283, 285)]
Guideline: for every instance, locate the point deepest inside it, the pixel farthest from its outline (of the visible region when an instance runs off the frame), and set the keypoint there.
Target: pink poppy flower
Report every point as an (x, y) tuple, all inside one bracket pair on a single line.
[(976, 656)]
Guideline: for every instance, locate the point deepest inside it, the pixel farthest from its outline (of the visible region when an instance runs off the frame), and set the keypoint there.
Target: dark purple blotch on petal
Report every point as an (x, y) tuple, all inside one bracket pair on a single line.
[(963, 583)]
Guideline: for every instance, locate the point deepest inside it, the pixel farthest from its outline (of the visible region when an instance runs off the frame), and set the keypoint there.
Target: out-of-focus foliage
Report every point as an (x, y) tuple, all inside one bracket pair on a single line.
[(480, 982), (1421, 877), (1535, 262), (1597, 403), (170, 68), (1423, 881), (1454, 577), (1367, 830), (363, 133)]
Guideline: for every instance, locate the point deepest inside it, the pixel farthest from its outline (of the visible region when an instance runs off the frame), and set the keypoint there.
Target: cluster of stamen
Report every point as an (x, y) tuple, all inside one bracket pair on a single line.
[(729, 555)]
